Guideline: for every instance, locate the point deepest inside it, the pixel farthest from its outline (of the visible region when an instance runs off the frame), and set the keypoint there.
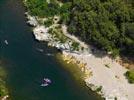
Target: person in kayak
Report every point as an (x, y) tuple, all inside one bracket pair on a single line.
[(46, 82)]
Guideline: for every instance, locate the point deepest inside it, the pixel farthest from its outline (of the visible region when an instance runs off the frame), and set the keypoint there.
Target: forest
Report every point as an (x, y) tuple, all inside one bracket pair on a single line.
[(105, 24)]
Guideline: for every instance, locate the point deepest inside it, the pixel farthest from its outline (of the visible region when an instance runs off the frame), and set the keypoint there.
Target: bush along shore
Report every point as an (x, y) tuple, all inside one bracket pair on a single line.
[(102, 74), (3, 88)]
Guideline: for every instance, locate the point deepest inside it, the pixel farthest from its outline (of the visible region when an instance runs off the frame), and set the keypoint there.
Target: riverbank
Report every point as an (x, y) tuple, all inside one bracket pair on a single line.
[(73, 66), (101, 73), (3, 88), (105, 74), (27, 61), (78, 71)]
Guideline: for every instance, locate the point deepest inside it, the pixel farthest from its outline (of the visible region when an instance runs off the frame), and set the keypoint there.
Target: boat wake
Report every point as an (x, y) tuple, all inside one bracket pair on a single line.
[(39, 49), (49, 54)]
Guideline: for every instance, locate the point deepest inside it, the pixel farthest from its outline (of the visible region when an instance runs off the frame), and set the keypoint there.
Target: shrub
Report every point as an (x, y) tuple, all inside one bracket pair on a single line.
[(130, 76)]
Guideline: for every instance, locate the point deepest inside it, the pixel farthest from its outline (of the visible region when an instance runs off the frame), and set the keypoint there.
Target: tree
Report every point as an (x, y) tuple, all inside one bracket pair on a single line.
[(101, 22)]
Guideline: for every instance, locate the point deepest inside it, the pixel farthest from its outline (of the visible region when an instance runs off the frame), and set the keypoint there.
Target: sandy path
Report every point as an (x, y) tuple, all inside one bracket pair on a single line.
[(64, 29)]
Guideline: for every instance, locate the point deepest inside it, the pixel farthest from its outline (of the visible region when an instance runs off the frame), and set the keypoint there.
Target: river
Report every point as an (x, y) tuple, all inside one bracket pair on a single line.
[(26, 66)]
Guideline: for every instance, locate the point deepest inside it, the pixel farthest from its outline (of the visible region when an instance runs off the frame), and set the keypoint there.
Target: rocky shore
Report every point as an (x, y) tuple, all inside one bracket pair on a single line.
[(5, 97), (102, 74), (106, 75)]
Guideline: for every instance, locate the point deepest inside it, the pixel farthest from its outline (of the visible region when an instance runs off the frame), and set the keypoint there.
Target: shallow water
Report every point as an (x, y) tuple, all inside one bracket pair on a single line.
[(26, 66)]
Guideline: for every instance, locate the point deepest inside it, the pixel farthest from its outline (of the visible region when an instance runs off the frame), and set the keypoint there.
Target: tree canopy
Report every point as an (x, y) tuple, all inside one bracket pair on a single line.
[(108, 24)]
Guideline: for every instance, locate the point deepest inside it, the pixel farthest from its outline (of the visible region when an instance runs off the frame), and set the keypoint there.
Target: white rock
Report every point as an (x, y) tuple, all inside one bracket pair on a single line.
[(41, 33), (31, 20)]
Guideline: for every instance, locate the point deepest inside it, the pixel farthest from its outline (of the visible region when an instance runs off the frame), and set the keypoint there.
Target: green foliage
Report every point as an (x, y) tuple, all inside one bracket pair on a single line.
[(42, 8), (75, 46), (102, 23), (107, 24), (129, 30), (48, 22), (99, 89), (128, 47), (3, 90), (130, 76), (65, 12), (58, 36)]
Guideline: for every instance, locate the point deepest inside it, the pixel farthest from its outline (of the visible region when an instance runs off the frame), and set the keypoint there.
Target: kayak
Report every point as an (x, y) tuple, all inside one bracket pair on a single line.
[(6, 42), (46, 82)]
